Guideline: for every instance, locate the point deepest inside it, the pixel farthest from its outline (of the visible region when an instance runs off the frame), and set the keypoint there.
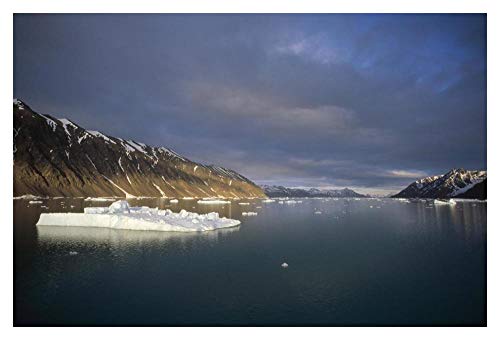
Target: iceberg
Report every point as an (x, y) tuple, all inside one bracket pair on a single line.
[(249, 213), (120, 215), (244, 203), (268, 201)]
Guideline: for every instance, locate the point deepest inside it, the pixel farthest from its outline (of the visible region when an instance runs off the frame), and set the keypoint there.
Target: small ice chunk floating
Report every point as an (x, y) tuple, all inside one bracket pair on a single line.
[(120, 215), (284, 265), (443, 202), (213, 201)]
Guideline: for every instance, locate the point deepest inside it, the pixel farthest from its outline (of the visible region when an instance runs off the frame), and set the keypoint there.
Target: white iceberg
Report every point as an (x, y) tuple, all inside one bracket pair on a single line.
[(284, 265), (35, 202), (249, 213), (174, 201), (120, 215), (268, 201), (244, 203)]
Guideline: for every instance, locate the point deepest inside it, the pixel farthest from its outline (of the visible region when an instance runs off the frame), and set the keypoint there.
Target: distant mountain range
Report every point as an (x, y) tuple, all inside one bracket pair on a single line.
[(280, 191), (57, 157), (458, 183)]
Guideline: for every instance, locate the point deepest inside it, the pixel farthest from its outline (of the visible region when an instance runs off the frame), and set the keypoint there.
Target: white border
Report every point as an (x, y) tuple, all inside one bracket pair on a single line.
[(228, 6)]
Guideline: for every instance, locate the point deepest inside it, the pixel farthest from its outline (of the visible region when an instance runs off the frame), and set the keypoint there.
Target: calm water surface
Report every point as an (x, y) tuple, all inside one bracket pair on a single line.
[(365, 262)]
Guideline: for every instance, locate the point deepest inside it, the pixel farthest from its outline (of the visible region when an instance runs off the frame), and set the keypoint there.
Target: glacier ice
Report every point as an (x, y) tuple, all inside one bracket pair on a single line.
[(120, 215)]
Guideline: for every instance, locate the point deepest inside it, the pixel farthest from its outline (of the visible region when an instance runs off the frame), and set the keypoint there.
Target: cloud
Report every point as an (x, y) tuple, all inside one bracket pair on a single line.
[(366, 101), (407, 174), (315, 48)]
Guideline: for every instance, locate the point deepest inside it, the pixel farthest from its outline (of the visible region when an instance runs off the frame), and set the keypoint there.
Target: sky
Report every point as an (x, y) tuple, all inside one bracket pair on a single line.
[(369, 102)]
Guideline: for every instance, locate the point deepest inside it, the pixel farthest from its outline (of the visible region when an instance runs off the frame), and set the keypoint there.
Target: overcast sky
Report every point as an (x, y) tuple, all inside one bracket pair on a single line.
[(370, 102)]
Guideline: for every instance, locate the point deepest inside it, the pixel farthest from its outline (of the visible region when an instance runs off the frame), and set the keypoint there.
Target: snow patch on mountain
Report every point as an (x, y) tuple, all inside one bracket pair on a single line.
[(161, 191), (67, 123), (101, 135)]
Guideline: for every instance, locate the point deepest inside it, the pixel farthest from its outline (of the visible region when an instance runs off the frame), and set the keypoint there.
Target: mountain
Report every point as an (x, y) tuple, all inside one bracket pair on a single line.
[(478, 191), (280, 191), (455, 183), (57, 157)]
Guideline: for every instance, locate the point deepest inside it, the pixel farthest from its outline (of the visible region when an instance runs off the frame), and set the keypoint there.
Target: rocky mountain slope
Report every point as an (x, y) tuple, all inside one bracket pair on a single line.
[(455, 183), (56, 157), (280, 191), (478, 191)]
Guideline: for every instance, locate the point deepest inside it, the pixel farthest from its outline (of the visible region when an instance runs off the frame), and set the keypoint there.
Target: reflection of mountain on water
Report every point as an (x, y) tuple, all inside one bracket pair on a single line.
[(53, 234), (466, 218)]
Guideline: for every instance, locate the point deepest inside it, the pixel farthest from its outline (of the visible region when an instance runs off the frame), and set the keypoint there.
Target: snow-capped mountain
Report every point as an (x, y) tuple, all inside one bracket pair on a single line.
[(57, 157), (455, 183), (280, 191)]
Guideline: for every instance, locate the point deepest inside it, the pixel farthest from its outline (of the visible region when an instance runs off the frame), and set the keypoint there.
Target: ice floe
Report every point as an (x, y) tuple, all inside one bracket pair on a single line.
[(292, 202), (249, 213), (120, 215), (99, 199), (212, 201), (445, 202), (27, 197)]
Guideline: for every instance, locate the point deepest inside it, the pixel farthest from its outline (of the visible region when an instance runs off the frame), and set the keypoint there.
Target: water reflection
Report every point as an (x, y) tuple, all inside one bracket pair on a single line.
[(465, 219), (83, 235)]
